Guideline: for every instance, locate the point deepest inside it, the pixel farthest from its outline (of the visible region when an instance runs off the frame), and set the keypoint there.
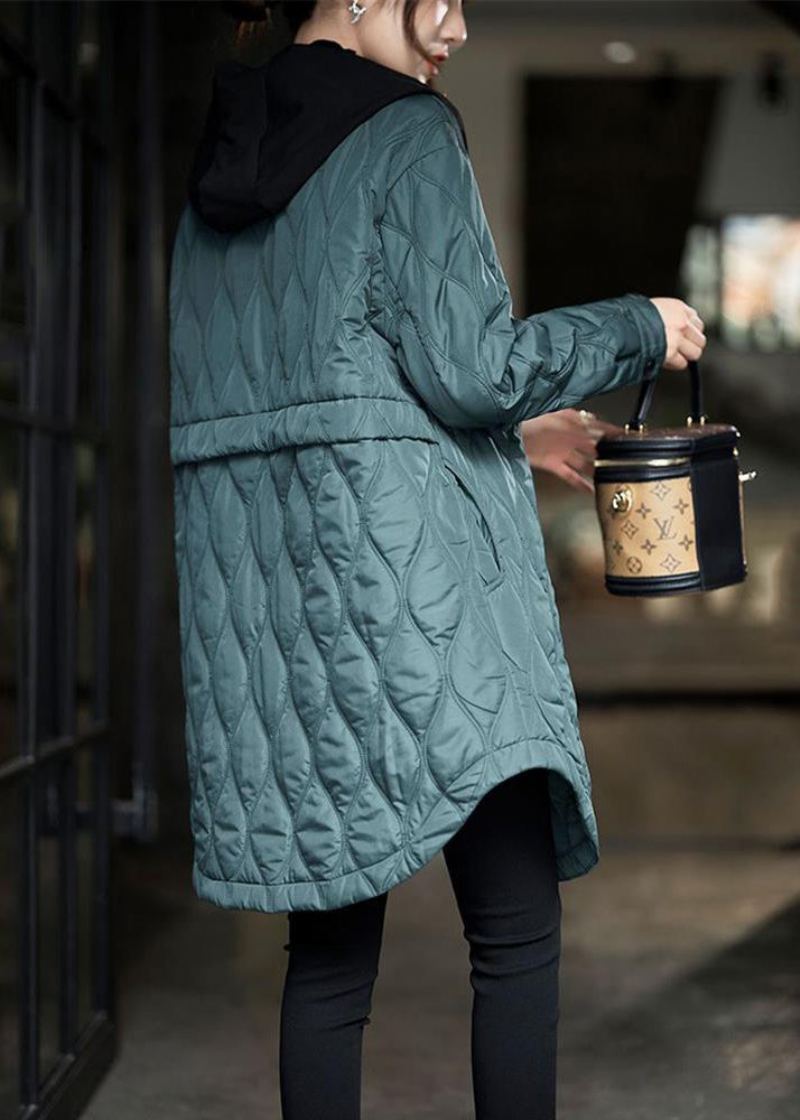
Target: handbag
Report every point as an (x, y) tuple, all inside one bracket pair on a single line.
[(670, 502)]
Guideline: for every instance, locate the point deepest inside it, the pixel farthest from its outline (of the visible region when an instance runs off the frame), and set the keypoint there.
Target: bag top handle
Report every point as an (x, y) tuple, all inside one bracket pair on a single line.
[(646, 390)]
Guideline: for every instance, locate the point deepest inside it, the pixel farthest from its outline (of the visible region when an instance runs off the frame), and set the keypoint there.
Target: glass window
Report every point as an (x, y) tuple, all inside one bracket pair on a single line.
[(53, 263), (93, 298), (86, 844), (13, 312), (85, 583), (90, 64), (10, 864), (11, 445), (56, 43), (50, 806), (15, 19)]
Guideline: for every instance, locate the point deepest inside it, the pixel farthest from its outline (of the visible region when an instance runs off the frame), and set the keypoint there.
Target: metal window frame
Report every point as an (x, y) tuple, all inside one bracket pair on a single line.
[(45, 425)]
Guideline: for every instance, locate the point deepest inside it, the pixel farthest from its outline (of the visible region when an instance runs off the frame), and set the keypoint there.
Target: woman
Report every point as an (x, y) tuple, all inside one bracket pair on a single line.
[(371, 651)]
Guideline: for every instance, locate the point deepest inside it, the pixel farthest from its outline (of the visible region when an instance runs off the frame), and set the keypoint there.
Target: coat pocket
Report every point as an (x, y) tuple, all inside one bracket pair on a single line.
[(487, 558)]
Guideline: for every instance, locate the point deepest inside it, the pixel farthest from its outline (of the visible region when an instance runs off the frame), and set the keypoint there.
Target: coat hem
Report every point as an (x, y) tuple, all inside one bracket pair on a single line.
[(572, 817)]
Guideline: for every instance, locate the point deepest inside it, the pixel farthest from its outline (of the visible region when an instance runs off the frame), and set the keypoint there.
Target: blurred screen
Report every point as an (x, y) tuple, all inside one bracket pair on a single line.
[(760, 303), (744, 277)]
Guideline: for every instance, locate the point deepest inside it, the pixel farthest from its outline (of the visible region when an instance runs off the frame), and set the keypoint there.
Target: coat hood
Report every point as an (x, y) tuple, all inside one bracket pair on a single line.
[(269, 127)]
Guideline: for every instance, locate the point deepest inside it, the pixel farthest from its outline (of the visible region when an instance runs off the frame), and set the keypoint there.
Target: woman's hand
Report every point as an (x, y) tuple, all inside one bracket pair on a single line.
[(684, 330), (564, 443)]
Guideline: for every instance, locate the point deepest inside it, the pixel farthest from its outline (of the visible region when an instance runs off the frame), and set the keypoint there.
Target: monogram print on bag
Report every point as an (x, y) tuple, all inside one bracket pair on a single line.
[(629, 529), (661, 540), (665, 532)]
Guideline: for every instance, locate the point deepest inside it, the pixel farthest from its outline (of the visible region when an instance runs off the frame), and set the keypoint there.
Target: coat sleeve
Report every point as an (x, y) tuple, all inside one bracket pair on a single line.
[(450, 316)]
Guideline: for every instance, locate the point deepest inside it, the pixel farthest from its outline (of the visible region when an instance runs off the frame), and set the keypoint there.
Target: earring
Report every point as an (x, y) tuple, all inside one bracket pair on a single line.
[(357, 10)]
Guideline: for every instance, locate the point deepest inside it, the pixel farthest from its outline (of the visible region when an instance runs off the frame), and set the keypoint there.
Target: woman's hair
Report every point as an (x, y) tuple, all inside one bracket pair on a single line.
[(296, 12)]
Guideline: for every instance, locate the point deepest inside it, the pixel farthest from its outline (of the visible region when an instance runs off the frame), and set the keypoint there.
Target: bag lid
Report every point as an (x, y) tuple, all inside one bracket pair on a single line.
[(690, 439), (695, 437)]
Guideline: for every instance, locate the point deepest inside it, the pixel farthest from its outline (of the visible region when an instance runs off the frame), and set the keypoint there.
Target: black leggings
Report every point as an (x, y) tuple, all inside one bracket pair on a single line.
[(501, 864)]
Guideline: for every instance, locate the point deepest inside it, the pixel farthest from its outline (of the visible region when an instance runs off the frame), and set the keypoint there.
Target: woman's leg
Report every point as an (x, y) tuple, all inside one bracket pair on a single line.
[(327, 997), (502, 867)]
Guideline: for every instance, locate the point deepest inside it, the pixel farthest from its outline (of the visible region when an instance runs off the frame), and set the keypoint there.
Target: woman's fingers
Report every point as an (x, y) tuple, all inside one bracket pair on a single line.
[(583, 461), (693, 341), (597, 428), (695, 334), (690, 349), (574, 478), (684, 330), (579, 479), (587, 424), (564, 443), (583, 443)]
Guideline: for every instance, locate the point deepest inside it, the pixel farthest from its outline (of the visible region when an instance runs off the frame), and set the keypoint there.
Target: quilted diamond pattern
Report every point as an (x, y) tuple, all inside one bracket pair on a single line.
[(369, 634)]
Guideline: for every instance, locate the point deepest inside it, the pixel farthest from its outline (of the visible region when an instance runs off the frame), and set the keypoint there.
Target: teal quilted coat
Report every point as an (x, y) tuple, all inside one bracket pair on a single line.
[(369, 636)]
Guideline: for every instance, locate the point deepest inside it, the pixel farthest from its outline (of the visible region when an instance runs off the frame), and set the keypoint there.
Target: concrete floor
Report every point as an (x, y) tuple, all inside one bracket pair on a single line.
[(680, 994)]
